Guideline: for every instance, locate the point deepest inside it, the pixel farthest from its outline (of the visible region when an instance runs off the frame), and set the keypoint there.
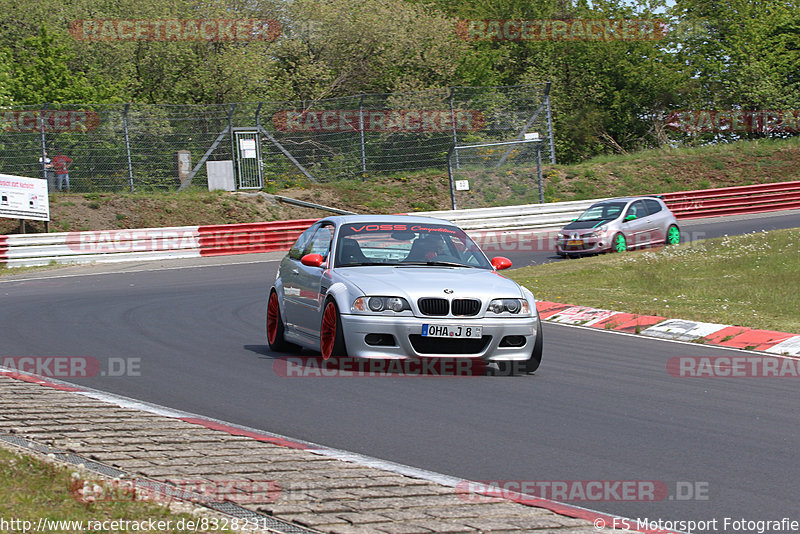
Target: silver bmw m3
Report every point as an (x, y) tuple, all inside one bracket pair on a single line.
[(370, 286)]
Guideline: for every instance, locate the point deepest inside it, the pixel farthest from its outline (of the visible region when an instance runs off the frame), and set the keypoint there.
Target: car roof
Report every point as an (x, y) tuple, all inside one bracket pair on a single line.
[(396, 219), (627, 199)]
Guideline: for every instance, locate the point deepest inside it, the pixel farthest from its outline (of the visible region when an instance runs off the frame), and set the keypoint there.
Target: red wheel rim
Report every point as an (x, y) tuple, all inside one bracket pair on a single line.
[(327, 336), (272, 318)]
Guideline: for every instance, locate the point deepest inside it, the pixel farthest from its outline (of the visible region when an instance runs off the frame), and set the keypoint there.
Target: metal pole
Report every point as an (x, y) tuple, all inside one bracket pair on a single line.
[(539, 171), (453, 120), (550, 126), (450, 177), (361, 131), (127, 144), (258, 148), (44, 145), (233, 142)]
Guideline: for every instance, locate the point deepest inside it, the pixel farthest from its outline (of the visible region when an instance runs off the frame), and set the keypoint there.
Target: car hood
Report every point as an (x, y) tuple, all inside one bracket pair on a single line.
[(583, 225), (415, 282)]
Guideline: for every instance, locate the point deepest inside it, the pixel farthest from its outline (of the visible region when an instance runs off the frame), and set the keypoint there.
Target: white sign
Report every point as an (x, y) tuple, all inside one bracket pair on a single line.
[(462, 185), (532, 136), (247, 144), (24, 198)]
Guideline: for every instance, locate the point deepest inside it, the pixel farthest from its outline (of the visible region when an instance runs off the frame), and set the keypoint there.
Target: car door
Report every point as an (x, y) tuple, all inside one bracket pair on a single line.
[(636, 230), (289, 273), (658, 221), (309, 282)]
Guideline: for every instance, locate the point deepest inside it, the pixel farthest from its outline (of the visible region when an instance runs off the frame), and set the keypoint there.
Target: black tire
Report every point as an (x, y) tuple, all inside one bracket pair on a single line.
[(276, 342), (331, 324), (535, 360), (615, 240)]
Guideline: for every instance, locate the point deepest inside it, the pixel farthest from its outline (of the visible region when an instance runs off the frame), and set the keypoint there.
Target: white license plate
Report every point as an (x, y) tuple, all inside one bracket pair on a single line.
[(450, 330)]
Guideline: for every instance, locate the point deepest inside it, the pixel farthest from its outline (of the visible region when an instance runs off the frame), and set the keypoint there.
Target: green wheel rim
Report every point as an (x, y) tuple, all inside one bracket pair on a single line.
[(673, 236), (619, 243)]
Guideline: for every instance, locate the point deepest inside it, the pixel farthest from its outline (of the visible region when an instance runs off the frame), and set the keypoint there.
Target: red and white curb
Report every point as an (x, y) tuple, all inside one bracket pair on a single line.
[(737, 337)]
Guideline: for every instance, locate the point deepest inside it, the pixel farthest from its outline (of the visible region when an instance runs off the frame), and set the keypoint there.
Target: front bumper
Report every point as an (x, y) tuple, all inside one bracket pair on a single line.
[(406, 339), (588, 245)]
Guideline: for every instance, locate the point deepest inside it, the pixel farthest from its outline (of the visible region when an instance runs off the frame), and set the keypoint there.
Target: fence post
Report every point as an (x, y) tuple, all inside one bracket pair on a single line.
[(455, 134), (361, 132), (450, 153), (233, 145), (44, 145), (539, 171), (127, 144), (550, 125)]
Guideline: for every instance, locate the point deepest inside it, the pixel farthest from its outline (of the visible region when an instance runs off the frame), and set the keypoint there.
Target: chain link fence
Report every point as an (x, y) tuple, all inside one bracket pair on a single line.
[(135, 147)]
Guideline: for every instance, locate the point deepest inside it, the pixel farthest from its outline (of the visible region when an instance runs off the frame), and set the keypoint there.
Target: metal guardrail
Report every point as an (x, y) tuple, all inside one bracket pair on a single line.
[(247, 238), (106, 246), (736, 200), (514, 217)]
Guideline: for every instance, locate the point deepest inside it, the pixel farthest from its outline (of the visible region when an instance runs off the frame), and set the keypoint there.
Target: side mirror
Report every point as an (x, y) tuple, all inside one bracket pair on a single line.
[(500, 263), (312, 260), (573, 220), (630, 217)]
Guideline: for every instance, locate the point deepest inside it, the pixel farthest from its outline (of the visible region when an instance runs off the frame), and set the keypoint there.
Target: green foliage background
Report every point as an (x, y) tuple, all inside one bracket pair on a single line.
[(606, 97)]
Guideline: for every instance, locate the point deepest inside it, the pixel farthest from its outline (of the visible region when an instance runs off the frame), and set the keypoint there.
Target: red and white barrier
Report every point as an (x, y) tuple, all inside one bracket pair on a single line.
[(248, 238), (149, 243), (737, 200)]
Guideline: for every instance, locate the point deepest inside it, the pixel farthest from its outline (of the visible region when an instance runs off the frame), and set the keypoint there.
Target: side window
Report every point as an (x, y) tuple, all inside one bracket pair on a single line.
[(321, 242), (296, 252), (653, 206), (638, 209)]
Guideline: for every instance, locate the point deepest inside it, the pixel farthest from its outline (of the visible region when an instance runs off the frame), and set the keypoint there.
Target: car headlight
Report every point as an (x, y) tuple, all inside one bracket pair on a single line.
[(599, 232), (380, 304), (515, 306)]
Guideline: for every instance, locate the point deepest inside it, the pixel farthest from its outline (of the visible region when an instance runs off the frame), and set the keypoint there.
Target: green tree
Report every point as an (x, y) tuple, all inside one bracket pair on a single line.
[(743, 54), (5, 79), (44, 70), (342, 47)]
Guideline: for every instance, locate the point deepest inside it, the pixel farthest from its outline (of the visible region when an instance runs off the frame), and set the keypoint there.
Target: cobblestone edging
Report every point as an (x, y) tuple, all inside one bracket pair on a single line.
[(316, 491)]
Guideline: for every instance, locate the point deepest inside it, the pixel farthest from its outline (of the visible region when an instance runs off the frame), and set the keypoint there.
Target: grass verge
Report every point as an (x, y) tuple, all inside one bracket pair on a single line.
[(748, 280), (32, 489)]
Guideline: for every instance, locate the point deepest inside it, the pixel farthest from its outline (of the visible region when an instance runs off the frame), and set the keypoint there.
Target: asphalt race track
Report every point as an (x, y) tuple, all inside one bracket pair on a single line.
[(601, 408)]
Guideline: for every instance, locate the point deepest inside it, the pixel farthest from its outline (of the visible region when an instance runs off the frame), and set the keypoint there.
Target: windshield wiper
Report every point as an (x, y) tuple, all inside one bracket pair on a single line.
[(362, 263), (438, 264)]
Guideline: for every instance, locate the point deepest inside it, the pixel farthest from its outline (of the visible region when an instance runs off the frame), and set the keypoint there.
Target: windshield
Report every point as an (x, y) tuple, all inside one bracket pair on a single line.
[(406, 244), (605, 211)]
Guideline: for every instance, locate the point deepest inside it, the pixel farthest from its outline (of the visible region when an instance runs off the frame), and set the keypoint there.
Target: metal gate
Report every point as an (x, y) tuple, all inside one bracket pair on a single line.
[(248, 158)]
